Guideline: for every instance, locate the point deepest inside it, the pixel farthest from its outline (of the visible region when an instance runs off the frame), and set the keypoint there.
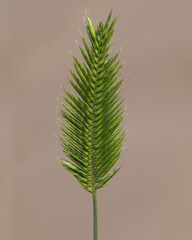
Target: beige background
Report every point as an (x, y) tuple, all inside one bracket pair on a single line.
[(151, 198)]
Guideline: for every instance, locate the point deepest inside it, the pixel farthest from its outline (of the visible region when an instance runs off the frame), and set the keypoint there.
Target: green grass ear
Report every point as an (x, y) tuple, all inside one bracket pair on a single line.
[(91, 136)]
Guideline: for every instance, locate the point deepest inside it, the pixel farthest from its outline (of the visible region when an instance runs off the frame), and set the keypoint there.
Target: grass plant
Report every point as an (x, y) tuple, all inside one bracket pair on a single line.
[(91, 133)]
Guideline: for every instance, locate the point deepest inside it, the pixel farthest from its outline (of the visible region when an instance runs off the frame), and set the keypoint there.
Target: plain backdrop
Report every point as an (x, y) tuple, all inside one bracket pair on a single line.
[(151, 197)]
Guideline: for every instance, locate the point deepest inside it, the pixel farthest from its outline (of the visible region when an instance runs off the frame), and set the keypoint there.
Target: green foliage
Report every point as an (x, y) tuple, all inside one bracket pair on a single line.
[(91, 132)]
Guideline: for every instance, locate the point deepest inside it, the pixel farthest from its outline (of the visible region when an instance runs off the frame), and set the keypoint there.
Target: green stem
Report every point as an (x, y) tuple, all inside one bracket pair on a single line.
[(94, 216)]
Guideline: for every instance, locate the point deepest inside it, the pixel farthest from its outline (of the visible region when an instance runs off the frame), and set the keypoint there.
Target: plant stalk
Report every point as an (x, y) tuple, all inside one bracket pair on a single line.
[(94, 216)]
